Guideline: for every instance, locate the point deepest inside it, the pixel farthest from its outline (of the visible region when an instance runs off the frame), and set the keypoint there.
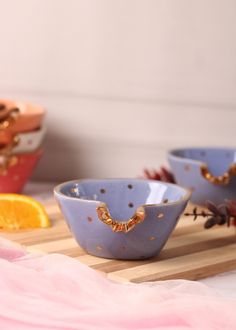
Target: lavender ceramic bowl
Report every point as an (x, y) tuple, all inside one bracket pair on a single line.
[(210, 173), (121, 218)]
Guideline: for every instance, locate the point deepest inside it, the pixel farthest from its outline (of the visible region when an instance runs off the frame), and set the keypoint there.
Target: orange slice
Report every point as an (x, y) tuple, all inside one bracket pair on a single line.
[(20, 211)]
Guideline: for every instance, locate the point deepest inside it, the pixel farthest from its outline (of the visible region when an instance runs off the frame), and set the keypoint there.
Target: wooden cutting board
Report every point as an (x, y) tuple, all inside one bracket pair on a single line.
[(192, 252)]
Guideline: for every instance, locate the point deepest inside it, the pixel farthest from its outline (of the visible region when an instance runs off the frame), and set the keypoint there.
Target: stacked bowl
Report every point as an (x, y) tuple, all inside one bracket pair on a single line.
[(21, 135)]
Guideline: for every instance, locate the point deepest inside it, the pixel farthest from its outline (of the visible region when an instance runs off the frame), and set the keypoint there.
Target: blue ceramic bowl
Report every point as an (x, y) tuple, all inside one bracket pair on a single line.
[(121, 218), (210, 173)]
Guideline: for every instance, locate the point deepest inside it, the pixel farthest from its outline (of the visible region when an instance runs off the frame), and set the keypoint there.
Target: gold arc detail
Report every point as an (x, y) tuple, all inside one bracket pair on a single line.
[(104, 215), (219, 180)]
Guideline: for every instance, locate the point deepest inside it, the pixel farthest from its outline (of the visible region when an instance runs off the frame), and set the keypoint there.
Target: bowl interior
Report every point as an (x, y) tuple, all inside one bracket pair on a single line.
[(218, 160), (123, 197)]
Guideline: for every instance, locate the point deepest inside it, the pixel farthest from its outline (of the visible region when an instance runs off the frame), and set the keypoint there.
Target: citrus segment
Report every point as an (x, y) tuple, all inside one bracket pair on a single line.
[(20, 211)]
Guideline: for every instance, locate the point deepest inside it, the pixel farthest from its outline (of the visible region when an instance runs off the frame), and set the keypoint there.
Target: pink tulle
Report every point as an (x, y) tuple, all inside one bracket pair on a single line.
[(57, 292)]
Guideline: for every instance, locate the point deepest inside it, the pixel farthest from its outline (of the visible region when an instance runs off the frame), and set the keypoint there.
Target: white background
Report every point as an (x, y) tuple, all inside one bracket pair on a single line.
[(123, 81)]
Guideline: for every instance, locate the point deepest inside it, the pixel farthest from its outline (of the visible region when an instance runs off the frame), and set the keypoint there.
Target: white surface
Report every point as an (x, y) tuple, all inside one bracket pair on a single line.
[(30, 141), (123, 81), (163, 50), (224, 283)]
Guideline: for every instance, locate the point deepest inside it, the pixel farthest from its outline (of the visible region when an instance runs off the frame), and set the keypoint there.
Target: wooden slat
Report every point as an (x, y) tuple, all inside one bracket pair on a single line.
[(192, 266), (191, 252), (177, 247)]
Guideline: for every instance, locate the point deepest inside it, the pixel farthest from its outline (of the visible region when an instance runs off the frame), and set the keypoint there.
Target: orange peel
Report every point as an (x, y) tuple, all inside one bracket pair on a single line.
[(21, 212)]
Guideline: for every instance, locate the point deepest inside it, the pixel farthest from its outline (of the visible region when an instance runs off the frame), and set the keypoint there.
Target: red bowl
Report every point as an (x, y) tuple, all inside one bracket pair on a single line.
[(15, 170)]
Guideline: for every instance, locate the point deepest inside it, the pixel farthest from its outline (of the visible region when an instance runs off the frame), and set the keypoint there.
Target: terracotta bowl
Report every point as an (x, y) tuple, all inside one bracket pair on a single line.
[(18, 117), (15, 170), (121, 218)]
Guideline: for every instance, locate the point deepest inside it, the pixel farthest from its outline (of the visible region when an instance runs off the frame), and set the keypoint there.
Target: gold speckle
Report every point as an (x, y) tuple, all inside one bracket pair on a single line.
[(152, 238), (90, 219), (13, 161), (187, 168), (16, 177), (99, 248), (74, 190), (160, 215)]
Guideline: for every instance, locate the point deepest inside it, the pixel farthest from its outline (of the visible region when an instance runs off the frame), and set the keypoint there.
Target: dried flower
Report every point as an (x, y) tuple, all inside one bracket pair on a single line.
[(162, 174), (221, 214)]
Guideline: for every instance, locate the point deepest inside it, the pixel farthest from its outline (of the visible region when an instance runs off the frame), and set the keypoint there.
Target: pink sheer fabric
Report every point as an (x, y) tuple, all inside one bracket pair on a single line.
[(57, 292)]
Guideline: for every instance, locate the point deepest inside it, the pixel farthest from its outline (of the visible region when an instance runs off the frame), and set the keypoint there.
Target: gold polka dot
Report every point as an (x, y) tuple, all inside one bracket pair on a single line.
[(152, 238), (13, 161), (160, 215), (90, 219), (98, 247), (187, 168), (74, 190)]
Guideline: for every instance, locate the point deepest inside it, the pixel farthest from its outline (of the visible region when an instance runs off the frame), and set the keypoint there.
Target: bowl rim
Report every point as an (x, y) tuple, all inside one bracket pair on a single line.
[(185, 198), (170, 153), (42, 129), (222, 179), (26, 108)]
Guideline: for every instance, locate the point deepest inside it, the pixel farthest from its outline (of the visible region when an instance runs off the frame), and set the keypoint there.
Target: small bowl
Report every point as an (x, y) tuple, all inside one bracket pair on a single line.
[(121, 218), (18, 117), (25, 142), (210, 173), (15, 170)]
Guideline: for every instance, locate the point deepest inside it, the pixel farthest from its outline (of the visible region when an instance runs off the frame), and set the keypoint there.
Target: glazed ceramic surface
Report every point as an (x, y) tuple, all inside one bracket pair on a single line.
[(29, 141), (24, 142), (19, 117), (14, 174), (210, 173), (142, 215)]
